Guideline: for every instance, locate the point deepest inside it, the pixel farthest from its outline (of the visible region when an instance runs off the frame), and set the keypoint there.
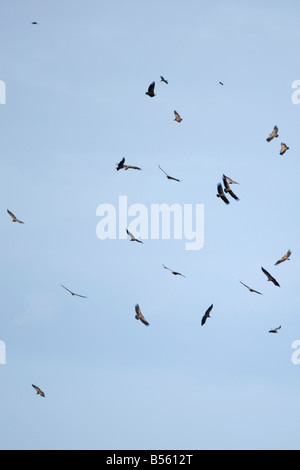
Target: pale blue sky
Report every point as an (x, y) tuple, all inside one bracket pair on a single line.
[(76, 105)]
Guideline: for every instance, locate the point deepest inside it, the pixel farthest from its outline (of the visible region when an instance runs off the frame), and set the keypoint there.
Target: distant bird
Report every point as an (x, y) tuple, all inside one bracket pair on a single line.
[(168, 176), (14, 218), (286, 257), (150, 91), (221, 83), (206, 315), (178, 118), (34, 22), (270, 278), (250, 289), (275, 330), (73, 293), (133, 239), (221, 194), (284, 148), (38, 391), (228, 189), (162, 79), (173, 272), (230, 181), (122, 165), (139, 315), (273, 134)]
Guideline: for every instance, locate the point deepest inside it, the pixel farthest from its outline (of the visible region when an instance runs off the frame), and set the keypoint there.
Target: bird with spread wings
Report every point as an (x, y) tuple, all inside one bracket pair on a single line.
[(206, 315), (178, 118), (250, 289), (150, 91), (283, 149), (270, 278), (221, 194), (168, 176), (139, 315), (275, 330), (175, 273), (73, 293), (273, 134), (286, 257), (38, 391), (132, 237), (162, 79), (14, 218), (228, 189)]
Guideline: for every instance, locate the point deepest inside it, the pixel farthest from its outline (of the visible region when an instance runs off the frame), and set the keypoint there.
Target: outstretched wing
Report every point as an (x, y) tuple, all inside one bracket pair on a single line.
[(270, 278), (178, 118), (121, 164), (221, 194), (206, 315), (273, 134), (284, 258), (38, 391), (139, 315)]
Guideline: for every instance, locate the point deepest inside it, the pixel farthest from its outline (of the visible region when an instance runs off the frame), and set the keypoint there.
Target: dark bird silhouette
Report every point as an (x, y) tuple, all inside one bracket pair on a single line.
[(228, 189), (286, 257), (221, 194), (173, 272), (162, 79), (275, 330), (150, 91), (206, 315), (273, 134), (133, 239), (168, 176), (38, 391), (14, 218), (139, 315), (284, 148), (73, 293), (34, 22), (122, 165), (221, 83), (270, 278), (230, 181), (178, 118), (250, 289)]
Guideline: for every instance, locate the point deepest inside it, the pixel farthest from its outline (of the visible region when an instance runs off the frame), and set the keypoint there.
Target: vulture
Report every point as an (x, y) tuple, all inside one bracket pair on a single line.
[(73, 293), (284, 148), (273, 134), (270, 278), (250, 289), (133, 239), (221, 83), (206, 315), (168, 176), (38, 391), (286, 257), (275, 330), (150, 91), (162, 79), (139, 315), (230, 181), (173, 272), (14, 218), (122, 165), (228, 189), (177, 117), (221, 194)]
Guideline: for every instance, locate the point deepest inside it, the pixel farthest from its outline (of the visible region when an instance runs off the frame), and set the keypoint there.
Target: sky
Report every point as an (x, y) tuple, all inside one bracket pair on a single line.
[(75, 106)]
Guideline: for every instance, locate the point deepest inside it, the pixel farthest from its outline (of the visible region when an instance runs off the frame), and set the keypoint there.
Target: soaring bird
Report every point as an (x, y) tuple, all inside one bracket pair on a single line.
[(139, 315), (273, 134), (286, 257), (14, 218), (73, 293), (230, 181), (221, 83), (173, 272), (38, 391), (150, 91), (162, 79), (284, 148), (122, 165), (270, 278), (34, 22), (250, 289), (275, 330), (221, 194), (178, 118), (133, 239), (168, 176), (228, 189), (206, 315)]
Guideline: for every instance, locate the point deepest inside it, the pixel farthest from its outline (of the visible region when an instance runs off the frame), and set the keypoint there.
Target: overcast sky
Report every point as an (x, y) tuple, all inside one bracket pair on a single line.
[(75, 106)]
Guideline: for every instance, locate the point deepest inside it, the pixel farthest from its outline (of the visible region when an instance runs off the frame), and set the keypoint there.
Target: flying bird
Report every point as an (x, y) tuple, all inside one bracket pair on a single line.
[(34, 22), (173, 272), (273, 134), (150, 91), (162, 79), (133, 239), (284, 148), (275, 330), (178, 118), (221, 83), (270, 278), (38, 391), (168, 176), (230, 181), (139, 315), (14, 218), (286, 257), (228, 189), (206, 315), (221, 194), (122, 165), (73, 293), (250, 289)]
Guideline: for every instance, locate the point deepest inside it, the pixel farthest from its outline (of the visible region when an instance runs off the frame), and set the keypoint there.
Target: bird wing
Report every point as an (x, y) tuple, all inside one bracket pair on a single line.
[(121, 164), (230, 181), (273, 134), (284, 258), (271, 278), (68, 290), (233, 195), (151, 88), (162, 170), (206, 315), (127, 167), (221, 194), (140, 316), (130, 234), (177, 116), (39, 391), (12, 215)]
